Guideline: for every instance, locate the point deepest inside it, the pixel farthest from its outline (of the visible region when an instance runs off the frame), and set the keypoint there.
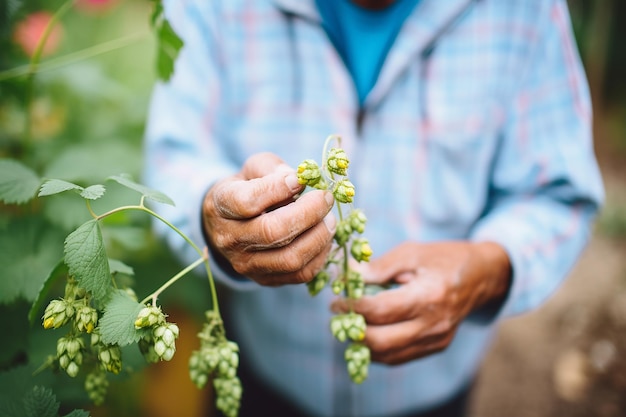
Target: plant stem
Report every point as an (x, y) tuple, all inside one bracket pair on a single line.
[(32, 69), (172, 280), (202, 253), (73, 57)]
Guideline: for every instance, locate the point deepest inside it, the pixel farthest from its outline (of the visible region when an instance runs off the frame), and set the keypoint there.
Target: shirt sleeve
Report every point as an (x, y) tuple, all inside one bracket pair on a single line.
[(183, 152), (546, 186)]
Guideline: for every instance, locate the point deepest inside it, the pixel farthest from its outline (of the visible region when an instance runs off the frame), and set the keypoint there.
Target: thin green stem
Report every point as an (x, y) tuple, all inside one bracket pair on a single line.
[(172, 280), (34, 62), (201, 252), (74, 57)]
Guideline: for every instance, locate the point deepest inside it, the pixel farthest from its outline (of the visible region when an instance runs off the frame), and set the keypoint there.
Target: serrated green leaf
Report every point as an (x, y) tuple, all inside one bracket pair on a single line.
[(86, 258), (78, 413), (29, 250), (58, 272), (148, 193), (120, 267), (41, 402), (93, 192), (117, 325), (54, 186), (18, 183)]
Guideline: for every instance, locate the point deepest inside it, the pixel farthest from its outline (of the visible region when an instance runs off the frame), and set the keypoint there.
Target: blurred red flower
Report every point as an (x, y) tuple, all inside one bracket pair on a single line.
[(29, 31)]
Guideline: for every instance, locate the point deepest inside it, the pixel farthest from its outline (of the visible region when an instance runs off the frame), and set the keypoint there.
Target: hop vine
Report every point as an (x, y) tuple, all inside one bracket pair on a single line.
[(349, 244), (101, 316)]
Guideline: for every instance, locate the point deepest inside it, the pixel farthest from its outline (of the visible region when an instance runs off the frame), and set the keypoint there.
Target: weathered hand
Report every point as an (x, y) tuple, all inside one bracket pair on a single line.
[(255, 221), (439, 285)]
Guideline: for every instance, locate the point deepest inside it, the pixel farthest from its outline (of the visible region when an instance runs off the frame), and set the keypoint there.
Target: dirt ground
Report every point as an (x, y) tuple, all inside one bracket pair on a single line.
[(569, 357)]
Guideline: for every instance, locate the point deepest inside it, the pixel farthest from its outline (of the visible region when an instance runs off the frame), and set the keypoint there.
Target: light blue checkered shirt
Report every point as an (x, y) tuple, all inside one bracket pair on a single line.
[(477, 128)]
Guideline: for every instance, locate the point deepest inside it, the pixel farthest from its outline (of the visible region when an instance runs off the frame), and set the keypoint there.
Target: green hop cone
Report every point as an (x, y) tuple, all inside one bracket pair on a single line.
[(70, 354), (86, 319), (344, 191), (110, 357), (361, 250), (357, 220), (308, 173), (355, 285), (338, 161), (198, 369), (228, 360), (228, 392), (357, 357), (343, 232), (58, 313), (146, 347), (318, 282), (337, 286), (348, 326), (96, 386), (165, 337), (149, 316)]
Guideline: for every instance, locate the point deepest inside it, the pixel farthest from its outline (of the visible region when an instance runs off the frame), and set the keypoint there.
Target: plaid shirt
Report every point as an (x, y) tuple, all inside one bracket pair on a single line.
[(478, 128)]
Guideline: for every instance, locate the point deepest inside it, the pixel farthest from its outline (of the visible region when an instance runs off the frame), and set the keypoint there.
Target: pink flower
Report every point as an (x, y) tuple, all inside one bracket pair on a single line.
[(95, 6), (29, 31)]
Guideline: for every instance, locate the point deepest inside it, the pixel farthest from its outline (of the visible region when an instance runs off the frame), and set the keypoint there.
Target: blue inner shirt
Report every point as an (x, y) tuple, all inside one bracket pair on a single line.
[(363, 36)]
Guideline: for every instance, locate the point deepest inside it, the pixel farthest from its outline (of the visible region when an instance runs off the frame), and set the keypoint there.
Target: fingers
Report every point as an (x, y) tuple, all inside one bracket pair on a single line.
[(239, 199), (281, 226), (402, 342), (295, 262)]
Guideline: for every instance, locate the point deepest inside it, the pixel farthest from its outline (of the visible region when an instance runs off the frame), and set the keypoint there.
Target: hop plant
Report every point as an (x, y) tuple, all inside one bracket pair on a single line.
[(357, 358), (70, 354), (309, 173), (357, 220), (86, 319), (96, 386), (344, 191), (217, 359), (58, 313), (355, 286), (146, 347), (110, 357), (338, 161), (164, 337), (228, 392), (149, 316), (318, 282), (361, 250), (348, 326)]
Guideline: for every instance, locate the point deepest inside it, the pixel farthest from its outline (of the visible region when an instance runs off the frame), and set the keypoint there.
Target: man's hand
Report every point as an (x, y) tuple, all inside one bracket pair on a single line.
[(440, 284), (255, 222)]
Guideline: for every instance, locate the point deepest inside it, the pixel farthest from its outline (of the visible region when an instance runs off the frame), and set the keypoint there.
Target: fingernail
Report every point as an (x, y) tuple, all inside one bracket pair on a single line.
[(330, 222), (329, 198), (292, 182)]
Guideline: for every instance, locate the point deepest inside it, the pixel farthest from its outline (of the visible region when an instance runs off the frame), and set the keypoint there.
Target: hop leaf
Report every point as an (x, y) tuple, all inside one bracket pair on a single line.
[(117, 324), (18, 183), (146, 192), (87, 260)]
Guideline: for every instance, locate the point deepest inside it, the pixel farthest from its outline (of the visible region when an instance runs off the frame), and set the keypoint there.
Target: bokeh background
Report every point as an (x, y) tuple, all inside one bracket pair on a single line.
[(87, 108)]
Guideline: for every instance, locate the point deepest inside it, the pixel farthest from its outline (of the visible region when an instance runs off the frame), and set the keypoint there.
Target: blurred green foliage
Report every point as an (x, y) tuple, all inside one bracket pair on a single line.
[(78, 115), (82, 119)]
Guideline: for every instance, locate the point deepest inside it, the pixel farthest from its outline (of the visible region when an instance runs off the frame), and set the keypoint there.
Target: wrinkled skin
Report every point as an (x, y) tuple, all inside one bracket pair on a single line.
[(439, 284), (258, 224), (255, 222)]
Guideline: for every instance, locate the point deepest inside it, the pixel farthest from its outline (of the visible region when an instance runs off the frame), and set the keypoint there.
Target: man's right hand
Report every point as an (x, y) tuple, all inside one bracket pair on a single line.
[(254, 220)]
